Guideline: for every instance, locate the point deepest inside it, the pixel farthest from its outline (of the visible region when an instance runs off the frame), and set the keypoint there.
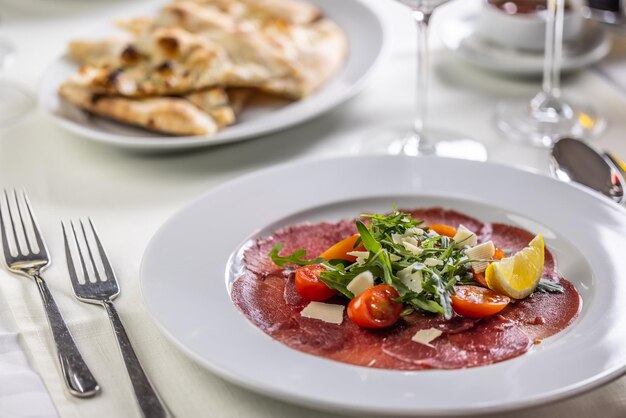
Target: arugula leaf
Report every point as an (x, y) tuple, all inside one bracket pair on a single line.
[(427, 305), (548, 286), (297, 257), (337, 278), (368, 240)]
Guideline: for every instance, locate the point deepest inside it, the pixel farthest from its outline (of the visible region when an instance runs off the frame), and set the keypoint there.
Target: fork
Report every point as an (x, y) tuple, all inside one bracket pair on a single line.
[(101, 291), (28, 262)]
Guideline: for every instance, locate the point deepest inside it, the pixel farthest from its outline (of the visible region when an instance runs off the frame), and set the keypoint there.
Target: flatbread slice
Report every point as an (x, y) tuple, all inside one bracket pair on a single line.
[(291, 11), (216, 103), (316, 52), (98, 53), (173, 61), (176, 116)]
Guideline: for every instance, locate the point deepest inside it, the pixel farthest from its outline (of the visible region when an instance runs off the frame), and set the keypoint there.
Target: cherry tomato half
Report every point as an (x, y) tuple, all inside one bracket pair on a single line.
[(442, 229), (478, 302), (340, 250), (374, 307), (480, 277), (309, 285), (498, 254)]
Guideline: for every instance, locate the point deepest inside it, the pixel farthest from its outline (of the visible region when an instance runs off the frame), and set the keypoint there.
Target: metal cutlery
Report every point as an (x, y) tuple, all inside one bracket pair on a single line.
[(26, 254), (101, 290), (577, 161)]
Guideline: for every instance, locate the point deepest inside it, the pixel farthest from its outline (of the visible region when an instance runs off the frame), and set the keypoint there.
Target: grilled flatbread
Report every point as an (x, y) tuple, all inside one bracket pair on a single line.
[(202, 59), (292, 11), (203, 113), (172, 61)]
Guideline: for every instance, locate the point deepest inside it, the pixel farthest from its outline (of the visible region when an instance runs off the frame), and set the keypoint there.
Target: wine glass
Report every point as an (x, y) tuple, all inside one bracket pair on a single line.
[(15, 101), (421, 138), (547, 117)]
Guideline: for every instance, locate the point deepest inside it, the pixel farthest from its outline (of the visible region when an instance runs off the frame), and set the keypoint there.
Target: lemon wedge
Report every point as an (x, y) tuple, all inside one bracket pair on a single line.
[(517, 276)]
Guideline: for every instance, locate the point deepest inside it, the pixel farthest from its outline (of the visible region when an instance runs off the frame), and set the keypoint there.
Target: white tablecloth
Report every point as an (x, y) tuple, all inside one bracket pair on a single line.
[(130, 195)]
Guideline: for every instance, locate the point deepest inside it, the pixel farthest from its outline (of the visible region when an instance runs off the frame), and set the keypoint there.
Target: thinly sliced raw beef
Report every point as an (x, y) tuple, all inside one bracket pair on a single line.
[(544, 314), (267, 296), (491, 340), (261, 300)]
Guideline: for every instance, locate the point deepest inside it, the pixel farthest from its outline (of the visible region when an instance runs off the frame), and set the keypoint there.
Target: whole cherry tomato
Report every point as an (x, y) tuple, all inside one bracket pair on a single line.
[(477, 302), (374, 307), (309, 285)]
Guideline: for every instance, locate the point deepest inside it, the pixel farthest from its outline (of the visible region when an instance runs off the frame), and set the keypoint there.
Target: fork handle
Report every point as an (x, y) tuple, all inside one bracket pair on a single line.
[(147, 398), (78, 378)]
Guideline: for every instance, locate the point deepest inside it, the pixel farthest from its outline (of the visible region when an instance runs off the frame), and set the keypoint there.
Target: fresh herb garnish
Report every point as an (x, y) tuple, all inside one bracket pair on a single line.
[(297, 257), (396, 242), (548, 286)]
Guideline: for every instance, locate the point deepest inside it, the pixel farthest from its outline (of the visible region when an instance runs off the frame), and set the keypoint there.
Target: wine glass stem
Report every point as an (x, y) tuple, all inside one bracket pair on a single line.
[(422, 19), (554, 48)]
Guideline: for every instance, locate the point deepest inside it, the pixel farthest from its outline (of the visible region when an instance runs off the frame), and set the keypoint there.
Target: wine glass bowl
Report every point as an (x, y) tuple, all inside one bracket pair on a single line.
[(546, 117), (421, 138)]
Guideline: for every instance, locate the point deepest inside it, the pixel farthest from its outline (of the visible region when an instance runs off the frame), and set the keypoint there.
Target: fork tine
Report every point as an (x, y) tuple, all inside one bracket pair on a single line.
[(93, 262), (70, 262), (5, 240), (80, 254), (23, 224), (38, 238), (103, 255), (12, 221)]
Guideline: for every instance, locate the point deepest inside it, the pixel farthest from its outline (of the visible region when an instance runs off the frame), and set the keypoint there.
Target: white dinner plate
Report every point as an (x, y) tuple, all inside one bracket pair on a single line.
[(366, 41), (192, 260), (459, 35)]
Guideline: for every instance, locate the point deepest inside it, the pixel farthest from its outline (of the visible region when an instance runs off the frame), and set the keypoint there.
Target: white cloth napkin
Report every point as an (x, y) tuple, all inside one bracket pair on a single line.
[(22, 393)]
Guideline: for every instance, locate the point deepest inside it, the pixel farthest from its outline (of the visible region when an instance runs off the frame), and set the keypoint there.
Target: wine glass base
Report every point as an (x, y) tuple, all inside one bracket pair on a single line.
[(518, 122), (398, 140), (15, 102)]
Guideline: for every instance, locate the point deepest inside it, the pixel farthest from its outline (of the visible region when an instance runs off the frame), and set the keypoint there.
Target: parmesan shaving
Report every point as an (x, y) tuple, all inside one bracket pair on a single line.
[(413, 249), (327, 312), (411, 279), (483, 251), (361, 282), (464, 237), (431, 262), (361, 256), (426, 336)]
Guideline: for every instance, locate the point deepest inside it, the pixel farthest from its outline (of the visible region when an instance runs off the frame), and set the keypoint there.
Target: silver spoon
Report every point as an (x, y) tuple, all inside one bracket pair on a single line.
[(576, 161)]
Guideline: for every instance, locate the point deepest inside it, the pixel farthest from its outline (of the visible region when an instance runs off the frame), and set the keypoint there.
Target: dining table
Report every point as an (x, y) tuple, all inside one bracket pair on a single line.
[(130, 193)]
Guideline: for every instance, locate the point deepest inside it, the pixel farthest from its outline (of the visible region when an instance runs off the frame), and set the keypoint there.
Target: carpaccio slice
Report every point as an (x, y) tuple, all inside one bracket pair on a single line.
[(267, 296)]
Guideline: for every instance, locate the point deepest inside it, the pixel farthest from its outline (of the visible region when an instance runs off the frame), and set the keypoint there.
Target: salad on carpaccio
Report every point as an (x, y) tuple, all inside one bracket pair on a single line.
[(409, 290)]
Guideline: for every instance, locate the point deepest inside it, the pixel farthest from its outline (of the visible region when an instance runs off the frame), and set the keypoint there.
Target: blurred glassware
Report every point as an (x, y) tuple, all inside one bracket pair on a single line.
[(547, 117), (460, 34), (520, 24), (15, 101), (610, 12), (422, 139)]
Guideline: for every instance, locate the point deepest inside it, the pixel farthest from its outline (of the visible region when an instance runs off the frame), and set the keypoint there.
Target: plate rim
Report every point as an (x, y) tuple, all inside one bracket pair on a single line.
[(560, 394), (163, 142)]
